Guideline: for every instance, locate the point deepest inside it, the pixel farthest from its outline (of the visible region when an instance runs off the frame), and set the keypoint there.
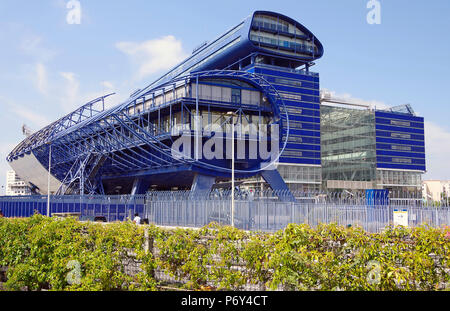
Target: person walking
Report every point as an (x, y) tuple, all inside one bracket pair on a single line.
[(137, 219)]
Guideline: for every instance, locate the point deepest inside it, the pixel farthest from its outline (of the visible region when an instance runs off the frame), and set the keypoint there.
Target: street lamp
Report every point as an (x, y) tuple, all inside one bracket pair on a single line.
[(232, 114), (48, 178)]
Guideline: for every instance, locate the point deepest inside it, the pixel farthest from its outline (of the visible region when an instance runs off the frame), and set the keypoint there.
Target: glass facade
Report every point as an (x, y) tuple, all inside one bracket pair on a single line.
[(348, 144), (397, 178), (301, 178)]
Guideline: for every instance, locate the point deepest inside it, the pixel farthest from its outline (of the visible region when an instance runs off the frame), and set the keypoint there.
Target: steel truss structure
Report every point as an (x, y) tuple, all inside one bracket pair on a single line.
[(92, 144)]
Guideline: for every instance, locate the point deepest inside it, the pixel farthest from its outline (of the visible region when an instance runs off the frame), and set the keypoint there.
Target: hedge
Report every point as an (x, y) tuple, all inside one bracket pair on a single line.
[(64, 254)]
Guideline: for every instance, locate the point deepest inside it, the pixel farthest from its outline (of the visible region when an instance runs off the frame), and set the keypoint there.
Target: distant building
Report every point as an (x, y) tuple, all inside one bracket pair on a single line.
[(15, 186), (435, 190)]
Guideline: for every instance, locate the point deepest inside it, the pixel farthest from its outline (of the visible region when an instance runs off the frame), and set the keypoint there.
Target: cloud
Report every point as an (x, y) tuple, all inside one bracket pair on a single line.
[(36, 120), (70, 99), (31, 45), (152, 56), (41, 78), (107, 85), (437, 148)]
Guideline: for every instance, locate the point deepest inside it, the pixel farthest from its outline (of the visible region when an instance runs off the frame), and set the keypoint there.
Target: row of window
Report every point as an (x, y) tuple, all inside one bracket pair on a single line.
[(398, 178), (401, 123), (271, 72), (398, 160), (257, 22), (293, 173), (299, 47), (290, 96), (288, 82), (402, 160), (388, 134), (401, 148), (401, 135)]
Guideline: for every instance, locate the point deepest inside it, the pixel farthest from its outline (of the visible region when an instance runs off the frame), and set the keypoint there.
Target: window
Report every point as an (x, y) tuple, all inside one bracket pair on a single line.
[(290, 96), (401, 148), (288, 82), (400, 135), (236, 96), (295, 139), (292, 153), (401, 160), (400, 123)]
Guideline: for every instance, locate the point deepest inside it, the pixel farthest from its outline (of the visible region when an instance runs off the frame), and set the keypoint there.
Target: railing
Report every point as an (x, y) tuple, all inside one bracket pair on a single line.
[(256, 211), (301, 71)]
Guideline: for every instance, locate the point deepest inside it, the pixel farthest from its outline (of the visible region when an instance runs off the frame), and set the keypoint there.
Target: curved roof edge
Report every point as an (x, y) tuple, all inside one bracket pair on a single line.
[(297, 24)]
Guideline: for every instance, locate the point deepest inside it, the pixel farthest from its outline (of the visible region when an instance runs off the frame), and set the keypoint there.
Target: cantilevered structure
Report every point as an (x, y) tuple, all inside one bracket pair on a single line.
[(257, 71)]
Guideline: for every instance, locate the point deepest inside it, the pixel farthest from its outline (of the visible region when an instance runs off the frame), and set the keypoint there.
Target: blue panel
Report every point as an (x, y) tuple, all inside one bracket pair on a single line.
[(399, 129), (304, 119), (401, 166), (276, 182), (280, 73), (390, 115), (401, 154), (300, 161), (388, 122), (389, 147), (97, 209), (389, 134), (377, 197), (293, 103), (203, 183), (389, 160), (400, 141), (304, 147), (304, 84), (297, 90), (304, 133)]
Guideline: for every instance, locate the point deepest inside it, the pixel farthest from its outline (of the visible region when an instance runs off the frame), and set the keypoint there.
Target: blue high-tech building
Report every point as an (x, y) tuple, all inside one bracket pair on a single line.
[(256, 76), (400, 145), (257, 71), (366, 149)]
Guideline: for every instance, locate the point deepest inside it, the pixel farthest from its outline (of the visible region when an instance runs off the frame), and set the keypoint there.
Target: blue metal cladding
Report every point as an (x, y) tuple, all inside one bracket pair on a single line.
[(400, 141), (103, 145), (303, 112), (234, 45)]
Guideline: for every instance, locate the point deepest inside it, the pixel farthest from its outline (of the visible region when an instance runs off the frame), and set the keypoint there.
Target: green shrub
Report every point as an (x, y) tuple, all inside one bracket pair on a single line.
[(64, 254)]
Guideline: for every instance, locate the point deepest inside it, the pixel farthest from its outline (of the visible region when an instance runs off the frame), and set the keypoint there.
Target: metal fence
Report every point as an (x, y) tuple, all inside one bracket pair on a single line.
[(256, 211)]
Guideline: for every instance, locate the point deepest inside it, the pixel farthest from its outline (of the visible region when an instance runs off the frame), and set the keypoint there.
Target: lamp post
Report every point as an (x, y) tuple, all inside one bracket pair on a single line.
[(48, 178), (232, 114)]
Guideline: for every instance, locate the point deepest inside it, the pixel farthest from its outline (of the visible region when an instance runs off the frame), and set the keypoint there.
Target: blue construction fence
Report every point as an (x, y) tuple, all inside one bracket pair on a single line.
[(113, 208), (377, 197)]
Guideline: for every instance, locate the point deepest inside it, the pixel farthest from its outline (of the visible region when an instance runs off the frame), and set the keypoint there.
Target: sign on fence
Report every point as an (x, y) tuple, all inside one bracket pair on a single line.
[(401, 217)]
